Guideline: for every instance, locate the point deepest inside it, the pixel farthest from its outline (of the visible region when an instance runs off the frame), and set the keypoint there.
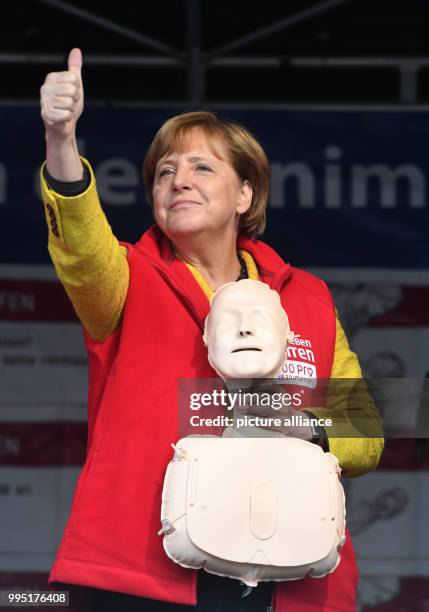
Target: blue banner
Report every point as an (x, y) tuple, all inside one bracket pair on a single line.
[(349, 188)]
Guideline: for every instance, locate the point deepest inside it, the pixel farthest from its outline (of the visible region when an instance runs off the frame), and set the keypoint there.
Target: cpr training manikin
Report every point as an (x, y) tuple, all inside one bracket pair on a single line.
[(252, 504)]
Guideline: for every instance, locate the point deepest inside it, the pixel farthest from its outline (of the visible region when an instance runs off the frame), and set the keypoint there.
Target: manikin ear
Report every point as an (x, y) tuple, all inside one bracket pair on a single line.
[(288, 339), (244, 197), (205, 340), (205, 331)]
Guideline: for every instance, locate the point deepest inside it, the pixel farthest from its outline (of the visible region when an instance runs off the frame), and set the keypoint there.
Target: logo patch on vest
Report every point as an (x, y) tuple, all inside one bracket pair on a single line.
[(299, 367)]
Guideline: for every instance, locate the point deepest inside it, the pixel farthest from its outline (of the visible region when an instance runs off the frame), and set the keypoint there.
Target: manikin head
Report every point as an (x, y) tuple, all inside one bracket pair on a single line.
[(246, 331)]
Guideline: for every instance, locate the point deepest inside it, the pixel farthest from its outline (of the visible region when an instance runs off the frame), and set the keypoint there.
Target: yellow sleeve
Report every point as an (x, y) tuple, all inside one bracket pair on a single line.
[(88, 259), (356, 436)]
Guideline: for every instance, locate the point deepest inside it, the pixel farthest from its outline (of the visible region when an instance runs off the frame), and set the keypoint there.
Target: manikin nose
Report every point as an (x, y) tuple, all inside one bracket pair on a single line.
[(246, 327)]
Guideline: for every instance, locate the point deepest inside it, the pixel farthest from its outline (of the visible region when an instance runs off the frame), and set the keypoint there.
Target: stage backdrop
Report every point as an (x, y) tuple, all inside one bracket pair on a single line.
[(348, 201)]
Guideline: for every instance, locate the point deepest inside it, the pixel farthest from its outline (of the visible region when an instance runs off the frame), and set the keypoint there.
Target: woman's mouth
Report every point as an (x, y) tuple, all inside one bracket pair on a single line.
[(183, 203)]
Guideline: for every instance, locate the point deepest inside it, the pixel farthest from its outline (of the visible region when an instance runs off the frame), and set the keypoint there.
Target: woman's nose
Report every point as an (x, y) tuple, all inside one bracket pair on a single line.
[(181, 180)]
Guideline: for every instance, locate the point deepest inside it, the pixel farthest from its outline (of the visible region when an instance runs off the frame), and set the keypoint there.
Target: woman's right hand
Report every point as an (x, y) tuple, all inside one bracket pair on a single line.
[(61, 98), (61, 101)]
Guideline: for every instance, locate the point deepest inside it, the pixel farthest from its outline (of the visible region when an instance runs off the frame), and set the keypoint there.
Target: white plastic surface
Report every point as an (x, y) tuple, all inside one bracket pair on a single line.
[(254, 509)]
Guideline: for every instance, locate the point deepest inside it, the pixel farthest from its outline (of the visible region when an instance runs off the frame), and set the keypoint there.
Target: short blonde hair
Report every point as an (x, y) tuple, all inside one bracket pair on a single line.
[(246, 156)]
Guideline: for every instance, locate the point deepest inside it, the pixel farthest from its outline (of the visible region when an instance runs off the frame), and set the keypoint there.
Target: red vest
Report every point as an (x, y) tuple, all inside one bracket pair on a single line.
[(110, 541)]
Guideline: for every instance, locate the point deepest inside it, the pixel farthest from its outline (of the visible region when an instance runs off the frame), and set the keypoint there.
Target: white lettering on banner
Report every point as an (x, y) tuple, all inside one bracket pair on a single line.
[(17, 302), (115, 173), (119, 182), (333, 179), (304, 177), (388, 179)]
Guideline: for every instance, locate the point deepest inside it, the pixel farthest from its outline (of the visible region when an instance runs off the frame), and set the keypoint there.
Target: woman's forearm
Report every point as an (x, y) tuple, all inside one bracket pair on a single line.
[(62, 159)]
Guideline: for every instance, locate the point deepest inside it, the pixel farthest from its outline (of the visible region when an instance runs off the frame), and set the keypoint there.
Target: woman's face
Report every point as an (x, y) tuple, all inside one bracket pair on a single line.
[(196, 190)]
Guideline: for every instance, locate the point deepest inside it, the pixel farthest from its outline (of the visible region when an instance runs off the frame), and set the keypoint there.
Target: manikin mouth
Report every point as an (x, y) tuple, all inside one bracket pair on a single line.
[(248, 348)]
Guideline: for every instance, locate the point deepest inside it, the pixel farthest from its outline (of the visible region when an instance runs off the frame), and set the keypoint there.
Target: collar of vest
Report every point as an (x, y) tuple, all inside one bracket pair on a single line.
[(155, 245), (271, 267)]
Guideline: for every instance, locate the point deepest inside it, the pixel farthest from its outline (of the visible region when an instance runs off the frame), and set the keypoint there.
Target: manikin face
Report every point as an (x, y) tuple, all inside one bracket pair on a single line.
[(247, 331), (197, 191)]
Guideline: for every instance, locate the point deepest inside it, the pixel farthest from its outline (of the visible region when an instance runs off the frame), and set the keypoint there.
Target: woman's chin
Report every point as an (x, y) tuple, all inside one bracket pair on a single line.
[(183, 227)]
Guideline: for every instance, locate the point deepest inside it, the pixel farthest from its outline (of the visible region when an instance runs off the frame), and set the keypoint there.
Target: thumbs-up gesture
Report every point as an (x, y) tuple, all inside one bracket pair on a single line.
[(61, 99)]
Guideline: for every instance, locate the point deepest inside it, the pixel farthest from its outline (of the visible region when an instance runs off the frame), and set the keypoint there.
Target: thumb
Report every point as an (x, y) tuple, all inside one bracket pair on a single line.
[(74, 61)]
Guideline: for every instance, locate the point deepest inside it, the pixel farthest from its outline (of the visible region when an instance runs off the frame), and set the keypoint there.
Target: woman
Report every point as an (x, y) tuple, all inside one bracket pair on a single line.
[(143, 308)]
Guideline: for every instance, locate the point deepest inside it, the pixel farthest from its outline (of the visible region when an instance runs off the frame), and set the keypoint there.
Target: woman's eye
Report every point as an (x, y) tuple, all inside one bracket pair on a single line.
[(165, 172), (202, 168)]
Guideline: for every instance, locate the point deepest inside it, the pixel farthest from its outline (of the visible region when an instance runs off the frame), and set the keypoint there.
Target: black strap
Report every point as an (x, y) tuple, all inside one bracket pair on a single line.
[(243, 268)]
